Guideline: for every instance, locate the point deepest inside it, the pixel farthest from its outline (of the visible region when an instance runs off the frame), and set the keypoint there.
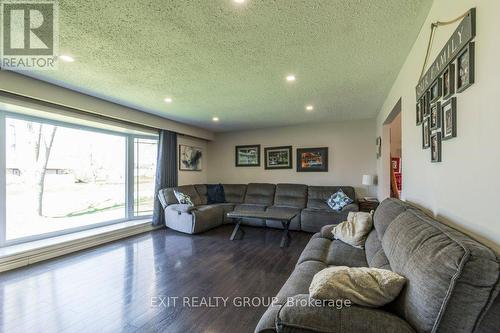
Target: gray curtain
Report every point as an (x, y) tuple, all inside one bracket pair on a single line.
[(166, 171)]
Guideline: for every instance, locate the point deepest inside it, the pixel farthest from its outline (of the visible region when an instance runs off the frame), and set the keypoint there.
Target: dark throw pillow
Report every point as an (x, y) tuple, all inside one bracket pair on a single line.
[(215, 194)]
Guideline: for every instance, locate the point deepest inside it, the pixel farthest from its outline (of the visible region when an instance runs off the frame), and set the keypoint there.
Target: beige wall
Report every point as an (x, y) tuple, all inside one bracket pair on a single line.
[(194, 177), (463, 190), (351, 154)]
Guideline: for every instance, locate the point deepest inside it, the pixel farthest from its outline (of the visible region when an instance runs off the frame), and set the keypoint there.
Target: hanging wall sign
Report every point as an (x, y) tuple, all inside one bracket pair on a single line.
[(450, 74), (464, 33)]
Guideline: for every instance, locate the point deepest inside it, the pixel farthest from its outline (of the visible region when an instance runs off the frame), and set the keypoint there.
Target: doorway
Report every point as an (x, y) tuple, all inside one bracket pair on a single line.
[(394, 170), (395, 157)]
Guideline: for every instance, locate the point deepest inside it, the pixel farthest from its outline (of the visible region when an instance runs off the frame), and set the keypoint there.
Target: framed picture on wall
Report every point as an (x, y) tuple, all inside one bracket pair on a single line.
[(378, 143), (449, 81), (420, 114), (435, 116), (278, 158), (190, 158), (396, 164), (426, 133), (247, 156), (426, 109), (436, 147), (465, 68), (312, 159), (436, 90), (449, 116)]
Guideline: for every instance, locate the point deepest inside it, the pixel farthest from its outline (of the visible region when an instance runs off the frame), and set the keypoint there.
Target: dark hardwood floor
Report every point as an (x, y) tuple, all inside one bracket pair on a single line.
[(114, 288)]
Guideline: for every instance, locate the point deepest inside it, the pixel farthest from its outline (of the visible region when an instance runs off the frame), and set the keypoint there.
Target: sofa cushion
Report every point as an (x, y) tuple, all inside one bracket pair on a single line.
[(318, 195), (342, 254), (339, 200), (312, 220), (316, 250), (386, 212), (215, 194), (355, 230), (183, 198), (301, 315), (451, 277), (201, 189), (375, 255), (249, 208), (491, 320), (331, 253), (299, 280), (294, 224), (235, 193), (365, 286), (291, 195), (186, 189), (260, 194)]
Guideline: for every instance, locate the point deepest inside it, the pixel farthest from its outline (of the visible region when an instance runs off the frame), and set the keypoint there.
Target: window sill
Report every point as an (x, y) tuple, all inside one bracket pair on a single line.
[(24, 254)]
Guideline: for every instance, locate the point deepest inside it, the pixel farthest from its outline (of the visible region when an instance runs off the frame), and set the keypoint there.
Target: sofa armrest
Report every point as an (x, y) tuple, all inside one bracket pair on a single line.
[(182, 208), (301, 312), (162, 198), (326, 231), (353, 207)]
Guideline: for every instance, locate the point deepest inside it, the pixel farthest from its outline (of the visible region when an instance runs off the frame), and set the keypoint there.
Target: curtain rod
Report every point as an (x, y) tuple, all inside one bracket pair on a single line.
[(4, 93)]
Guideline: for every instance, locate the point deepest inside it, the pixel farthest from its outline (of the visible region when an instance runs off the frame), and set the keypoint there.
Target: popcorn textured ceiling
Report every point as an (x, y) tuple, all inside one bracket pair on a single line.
[(218, 58)]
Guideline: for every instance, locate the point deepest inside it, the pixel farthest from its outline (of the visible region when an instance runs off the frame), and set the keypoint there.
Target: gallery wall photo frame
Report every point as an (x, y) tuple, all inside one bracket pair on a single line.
[(436, 147), (276, 158), (426, 102), (436, 90), (465, 68), (378, 144), (247, 156), (448, 80), (312, 159), (190, 158), (426, 133), (449, 119), (419, 112), (435, 117)]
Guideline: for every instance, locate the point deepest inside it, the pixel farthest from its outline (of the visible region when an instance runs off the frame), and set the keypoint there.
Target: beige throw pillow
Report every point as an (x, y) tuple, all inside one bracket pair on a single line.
[(365, 286), (355, 230)]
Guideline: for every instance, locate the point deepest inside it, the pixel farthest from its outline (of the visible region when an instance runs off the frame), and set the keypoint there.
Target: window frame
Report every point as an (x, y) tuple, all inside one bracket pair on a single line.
[(135, 190), (129, 178)]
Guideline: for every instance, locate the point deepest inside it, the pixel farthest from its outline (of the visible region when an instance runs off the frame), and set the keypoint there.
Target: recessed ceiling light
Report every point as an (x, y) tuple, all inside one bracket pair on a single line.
[(215, 119), (168, 100), (238, 1), (66, 58), (309, 108), (291, 78)]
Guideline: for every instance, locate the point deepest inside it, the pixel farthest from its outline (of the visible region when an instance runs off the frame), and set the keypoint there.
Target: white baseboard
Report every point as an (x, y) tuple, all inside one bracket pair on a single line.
[(28, 257)]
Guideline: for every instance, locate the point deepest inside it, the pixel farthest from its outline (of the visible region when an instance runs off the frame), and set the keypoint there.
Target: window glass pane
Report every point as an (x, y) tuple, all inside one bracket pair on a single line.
[(145, 151), (61, 177)]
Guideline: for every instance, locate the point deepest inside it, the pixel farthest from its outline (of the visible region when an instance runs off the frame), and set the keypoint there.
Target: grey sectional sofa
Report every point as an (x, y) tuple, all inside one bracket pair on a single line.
[(453, 281), (308, 201)]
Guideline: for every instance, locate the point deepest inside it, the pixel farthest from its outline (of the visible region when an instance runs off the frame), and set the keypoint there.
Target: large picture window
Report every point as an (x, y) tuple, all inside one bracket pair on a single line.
[(62, 177)]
